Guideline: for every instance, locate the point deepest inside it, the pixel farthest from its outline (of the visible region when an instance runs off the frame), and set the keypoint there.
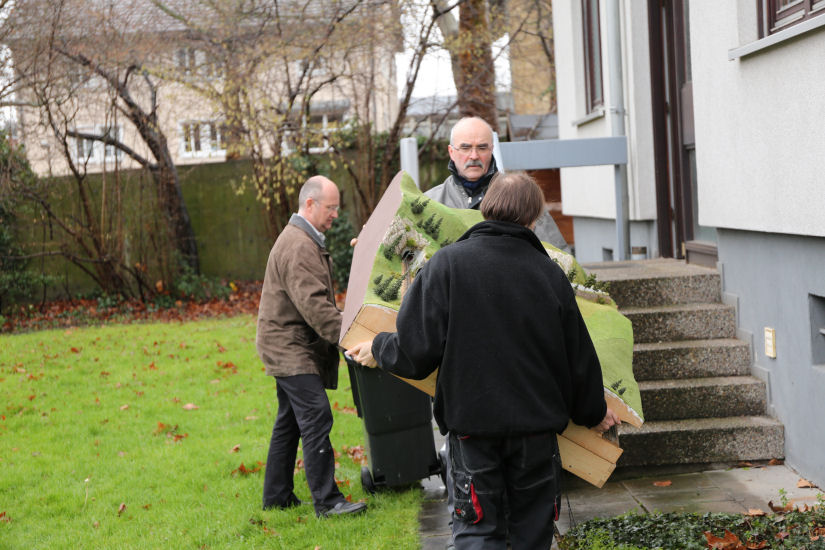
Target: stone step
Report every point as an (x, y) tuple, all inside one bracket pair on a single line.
[(701, 441), (658, 282), (703, 397), (691, 359), (681, 322)]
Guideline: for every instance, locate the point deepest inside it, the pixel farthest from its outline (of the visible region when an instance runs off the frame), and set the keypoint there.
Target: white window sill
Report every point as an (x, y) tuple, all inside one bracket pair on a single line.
[(598, 113), (777, 38)]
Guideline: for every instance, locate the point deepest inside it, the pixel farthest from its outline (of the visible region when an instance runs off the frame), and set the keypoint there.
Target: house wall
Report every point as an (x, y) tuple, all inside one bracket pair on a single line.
[(760, 141), (760, 137), (178, 104), (588, 192), (772, 277)]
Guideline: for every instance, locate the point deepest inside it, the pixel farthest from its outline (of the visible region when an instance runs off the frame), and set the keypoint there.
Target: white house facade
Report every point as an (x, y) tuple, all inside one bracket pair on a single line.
[(724, 113)]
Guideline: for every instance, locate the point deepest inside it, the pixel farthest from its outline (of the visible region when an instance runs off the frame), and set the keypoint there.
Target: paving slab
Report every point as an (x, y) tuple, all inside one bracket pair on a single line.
[(728, 490)]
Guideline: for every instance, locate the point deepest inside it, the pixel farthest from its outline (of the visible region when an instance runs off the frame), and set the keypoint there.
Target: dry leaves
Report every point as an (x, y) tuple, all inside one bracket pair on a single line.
[(666, 483), (244, 471), (121, 508), (344, 409), (190, 407), (805, 484), (732, 542)]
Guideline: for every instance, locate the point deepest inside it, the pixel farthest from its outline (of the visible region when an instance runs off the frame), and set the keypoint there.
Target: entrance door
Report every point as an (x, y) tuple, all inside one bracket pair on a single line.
[(679, 232)]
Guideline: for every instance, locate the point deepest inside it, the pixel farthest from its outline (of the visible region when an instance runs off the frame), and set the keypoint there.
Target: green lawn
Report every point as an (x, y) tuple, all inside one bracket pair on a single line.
[(160, 418)]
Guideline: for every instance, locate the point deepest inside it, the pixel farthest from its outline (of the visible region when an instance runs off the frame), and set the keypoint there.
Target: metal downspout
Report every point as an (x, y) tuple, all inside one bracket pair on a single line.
[(617, 112)]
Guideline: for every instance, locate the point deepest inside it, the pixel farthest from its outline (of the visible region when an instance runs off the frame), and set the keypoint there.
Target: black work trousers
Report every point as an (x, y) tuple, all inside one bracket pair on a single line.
[(303, 412), (505, 488)]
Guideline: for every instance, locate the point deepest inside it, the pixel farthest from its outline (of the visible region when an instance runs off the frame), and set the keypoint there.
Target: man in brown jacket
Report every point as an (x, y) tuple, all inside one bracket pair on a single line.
[(298, 327)]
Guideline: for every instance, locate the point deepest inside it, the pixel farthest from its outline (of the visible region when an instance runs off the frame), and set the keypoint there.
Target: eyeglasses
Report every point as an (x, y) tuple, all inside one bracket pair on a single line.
[(330, 207), (466, 148)]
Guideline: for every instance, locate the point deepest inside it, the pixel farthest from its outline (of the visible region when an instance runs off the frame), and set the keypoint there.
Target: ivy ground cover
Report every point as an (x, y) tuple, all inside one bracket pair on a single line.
[(154, 436)]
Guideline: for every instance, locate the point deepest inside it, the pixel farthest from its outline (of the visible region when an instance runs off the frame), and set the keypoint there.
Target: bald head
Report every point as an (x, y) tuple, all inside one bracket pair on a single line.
[(319, 200), (471, 147)]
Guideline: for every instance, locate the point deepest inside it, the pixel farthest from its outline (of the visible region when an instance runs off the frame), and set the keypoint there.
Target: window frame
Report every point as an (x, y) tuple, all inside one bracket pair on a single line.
[(774, 18), (92, 151), (594, 95), (202, 138)]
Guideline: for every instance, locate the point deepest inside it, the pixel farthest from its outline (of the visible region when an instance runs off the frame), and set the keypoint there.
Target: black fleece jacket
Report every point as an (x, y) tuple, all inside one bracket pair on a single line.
[(501, 320)]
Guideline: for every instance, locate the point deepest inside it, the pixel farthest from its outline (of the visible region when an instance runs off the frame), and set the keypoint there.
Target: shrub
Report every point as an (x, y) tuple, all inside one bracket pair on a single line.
[(338, 238)]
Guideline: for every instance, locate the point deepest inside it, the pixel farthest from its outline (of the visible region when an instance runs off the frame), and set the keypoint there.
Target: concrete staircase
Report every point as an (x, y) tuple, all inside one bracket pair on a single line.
[(701, 404)]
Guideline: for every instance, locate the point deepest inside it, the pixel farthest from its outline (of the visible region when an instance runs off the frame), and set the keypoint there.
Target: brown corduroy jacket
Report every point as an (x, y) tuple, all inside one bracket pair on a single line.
[(298, 321)]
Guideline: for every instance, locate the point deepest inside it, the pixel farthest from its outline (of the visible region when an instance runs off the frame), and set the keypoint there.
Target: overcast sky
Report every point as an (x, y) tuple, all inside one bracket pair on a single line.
[(436, 75)]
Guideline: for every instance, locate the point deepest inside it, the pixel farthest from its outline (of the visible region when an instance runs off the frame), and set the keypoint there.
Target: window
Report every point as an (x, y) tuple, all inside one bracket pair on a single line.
[(592, 55), (202, 138), (776, 15), (110, 152), (93, 151), (84, 148), (191, 61)]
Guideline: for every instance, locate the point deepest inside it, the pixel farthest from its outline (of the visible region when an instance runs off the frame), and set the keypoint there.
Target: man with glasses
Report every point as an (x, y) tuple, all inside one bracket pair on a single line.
[(472, 167), (298, 328)]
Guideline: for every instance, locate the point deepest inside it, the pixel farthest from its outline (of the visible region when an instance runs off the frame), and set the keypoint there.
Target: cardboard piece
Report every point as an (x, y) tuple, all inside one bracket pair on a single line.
[(583, 452)]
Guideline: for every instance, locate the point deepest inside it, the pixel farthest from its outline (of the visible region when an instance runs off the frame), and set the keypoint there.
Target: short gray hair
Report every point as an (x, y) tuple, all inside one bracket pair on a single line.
[(311, 189)]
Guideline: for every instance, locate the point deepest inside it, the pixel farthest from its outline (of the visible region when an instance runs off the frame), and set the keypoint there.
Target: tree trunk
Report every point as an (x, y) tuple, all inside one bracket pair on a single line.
[(475, 72)]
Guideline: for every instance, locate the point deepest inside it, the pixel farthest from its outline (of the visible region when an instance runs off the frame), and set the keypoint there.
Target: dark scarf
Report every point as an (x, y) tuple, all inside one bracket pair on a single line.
[(473, 187)]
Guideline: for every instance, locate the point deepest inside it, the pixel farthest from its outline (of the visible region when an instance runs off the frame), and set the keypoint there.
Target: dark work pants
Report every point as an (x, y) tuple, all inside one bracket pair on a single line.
[(505, 487), (303, 412)]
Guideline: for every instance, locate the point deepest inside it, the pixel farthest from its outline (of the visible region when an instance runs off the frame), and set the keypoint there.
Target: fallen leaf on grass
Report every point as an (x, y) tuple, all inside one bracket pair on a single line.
[(5, 517), (782, 535), (124, 407), (728, 542), (755, 512), (250, 418), (356, 454), (805, 484), (243, 470), (347, 410), (666, 483), (121, 508), (190, 407), (147, 506), (756, 545), (75, 350), (235, 449)]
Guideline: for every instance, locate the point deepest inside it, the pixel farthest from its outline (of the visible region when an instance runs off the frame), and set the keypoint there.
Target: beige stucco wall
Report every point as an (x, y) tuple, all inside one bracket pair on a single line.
[(177, 104)]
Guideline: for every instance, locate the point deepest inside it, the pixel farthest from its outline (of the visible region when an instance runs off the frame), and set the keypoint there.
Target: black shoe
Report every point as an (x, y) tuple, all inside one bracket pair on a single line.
[(343, 508), (291, 502)]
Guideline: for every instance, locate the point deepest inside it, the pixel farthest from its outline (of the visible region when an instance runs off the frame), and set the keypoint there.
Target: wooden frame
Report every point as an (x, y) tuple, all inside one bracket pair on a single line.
[(774, 15)]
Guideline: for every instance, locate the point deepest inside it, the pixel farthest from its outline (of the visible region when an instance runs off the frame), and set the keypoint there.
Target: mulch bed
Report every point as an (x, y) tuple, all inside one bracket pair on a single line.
[(77, 312)]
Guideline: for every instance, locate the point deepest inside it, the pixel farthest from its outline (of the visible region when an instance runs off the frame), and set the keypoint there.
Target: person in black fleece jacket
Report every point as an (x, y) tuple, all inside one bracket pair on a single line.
[(500, 319)]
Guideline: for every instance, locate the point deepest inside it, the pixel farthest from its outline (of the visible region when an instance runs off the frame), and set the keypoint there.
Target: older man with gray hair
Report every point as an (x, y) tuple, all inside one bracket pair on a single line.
[(472, 167), (298, 327)]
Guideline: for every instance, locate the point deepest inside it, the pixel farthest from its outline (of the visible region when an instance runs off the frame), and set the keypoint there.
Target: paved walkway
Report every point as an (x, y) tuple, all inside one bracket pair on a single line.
[(733, 490)]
